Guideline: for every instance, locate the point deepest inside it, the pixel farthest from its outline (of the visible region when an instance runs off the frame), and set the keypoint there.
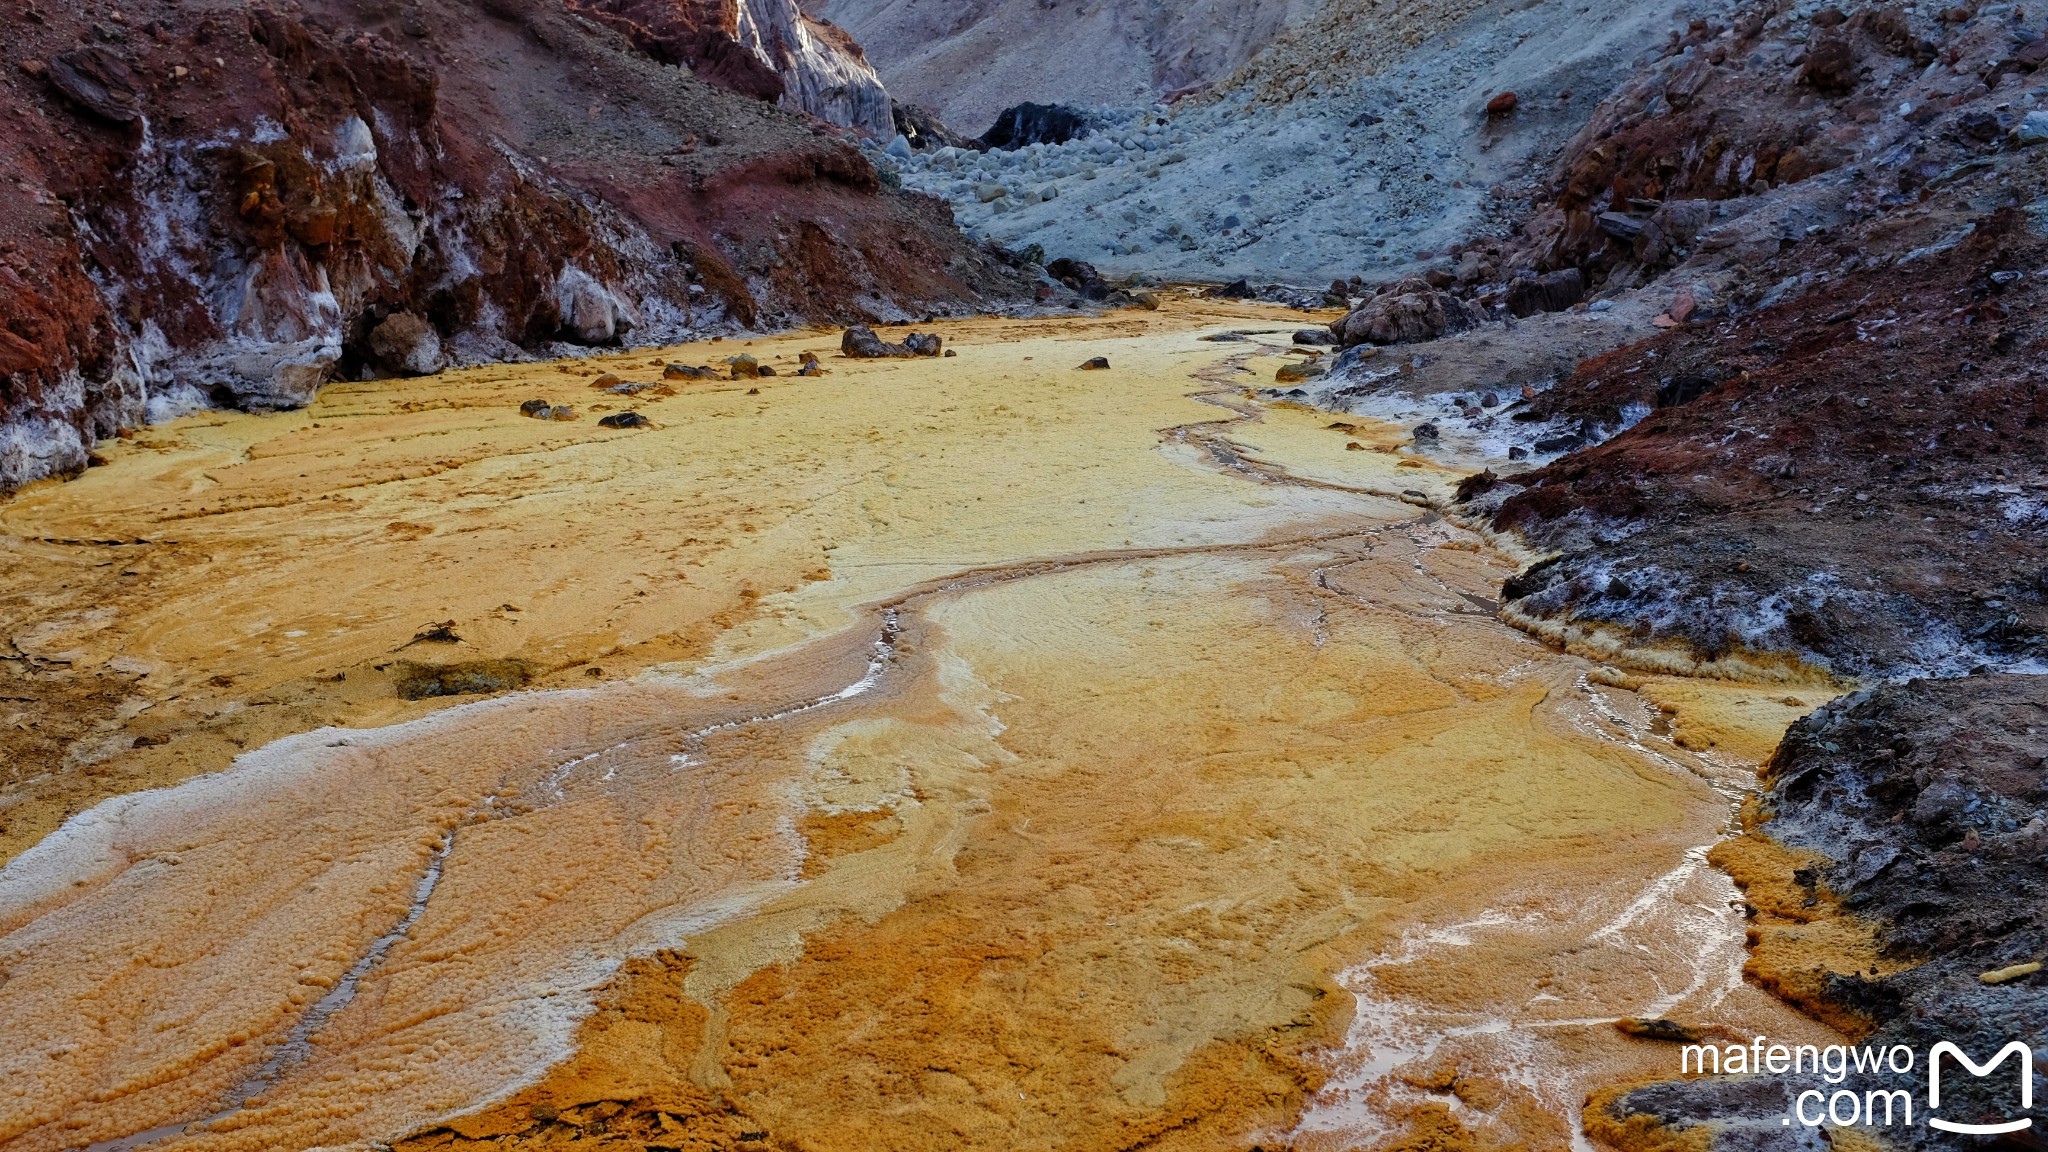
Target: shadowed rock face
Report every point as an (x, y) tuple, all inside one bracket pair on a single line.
[(221, 203)]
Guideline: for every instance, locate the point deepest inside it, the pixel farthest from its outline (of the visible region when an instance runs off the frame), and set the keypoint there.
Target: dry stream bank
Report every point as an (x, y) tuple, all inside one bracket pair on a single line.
[(960, 753)]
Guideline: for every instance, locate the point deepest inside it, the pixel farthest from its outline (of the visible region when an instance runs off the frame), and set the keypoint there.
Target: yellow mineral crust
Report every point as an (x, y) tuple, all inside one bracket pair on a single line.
[(1019, 758)]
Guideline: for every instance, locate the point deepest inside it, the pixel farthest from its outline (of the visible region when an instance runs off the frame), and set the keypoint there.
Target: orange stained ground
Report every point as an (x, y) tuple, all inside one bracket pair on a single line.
[(983, 754)]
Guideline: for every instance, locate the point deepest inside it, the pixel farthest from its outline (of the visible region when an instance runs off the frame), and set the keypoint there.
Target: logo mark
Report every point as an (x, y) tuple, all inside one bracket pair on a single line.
[(2026, 1062)]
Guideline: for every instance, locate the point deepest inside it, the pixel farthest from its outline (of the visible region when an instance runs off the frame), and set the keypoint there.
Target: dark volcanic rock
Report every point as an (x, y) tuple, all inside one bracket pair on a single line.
[(1550, 292), (98, 81), (923, 128), (1082, 277), (861, 343), (1026, 124)]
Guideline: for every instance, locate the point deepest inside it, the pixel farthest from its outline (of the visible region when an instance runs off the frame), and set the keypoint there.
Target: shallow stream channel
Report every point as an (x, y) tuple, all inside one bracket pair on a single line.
[(956, 753)]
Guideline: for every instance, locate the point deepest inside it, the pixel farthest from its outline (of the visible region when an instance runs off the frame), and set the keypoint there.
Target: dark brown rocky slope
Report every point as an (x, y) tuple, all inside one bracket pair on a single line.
[(224, 203), (1836, 450)]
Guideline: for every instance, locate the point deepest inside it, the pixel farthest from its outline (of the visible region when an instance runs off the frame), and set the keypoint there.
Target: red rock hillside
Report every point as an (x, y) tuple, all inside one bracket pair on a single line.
[(220, 203)]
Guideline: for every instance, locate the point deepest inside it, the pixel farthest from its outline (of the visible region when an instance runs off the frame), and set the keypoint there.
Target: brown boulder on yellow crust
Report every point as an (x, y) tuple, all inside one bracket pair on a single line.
[(1407, 312)]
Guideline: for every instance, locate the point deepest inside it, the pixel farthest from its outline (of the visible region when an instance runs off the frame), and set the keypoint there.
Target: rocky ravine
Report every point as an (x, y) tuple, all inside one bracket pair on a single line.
[(1333, 153), (228, 204)]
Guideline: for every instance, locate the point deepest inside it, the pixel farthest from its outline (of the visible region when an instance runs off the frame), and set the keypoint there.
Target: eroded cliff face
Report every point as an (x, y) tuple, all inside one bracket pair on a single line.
[(764, 48), (228, 205)]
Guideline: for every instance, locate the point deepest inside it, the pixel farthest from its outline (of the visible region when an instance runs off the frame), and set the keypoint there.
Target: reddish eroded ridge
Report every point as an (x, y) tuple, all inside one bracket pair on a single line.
[(1852, 475), (219, 203)]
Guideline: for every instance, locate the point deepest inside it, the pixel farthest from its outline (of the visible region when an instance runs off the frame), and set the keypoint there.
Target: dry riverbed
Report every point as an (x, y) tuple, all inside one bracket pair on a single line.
[(939, 754)]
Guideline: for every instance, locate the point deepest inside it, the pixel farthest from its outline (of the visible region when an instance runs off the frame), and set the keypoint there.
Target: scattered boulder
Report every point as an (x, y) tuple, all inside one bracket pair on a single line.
[(1315, 337), (1080, 276), (1550, 292), (1408, 311), (1296, 373), (744, 366), (1235, 290), (1676, 390), (625, 420), (861, 343), (1095, 364), (1502, 104), (405, 344), (1674, 225), (608, 381), (591, 313), (1830, 64), (923, 129), (97, 80), (688, 372), (1144, 299), (542, 410), (1022, 125), (1619, 225), (1426, 432)]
